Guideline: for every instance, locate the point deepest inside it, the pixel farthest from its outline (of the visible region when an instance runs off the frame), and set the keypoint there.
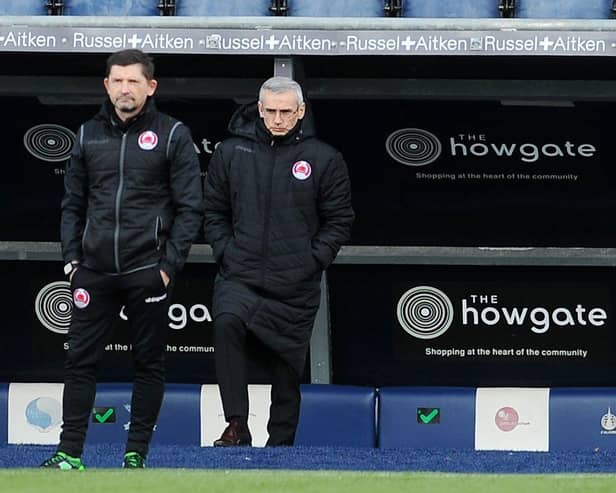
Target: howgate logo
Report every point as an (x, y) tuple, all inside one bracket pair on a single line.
[(53, 306), (426, 312), (417, 147), (413, 146), (49, 142)]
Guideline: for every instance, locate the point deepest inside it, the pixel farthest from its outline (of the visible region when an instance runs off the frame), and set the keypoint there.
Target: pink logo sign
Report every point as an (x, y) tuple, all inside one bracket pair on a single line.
[(148, 140), (302, 170), (507, 418), (81, 298)]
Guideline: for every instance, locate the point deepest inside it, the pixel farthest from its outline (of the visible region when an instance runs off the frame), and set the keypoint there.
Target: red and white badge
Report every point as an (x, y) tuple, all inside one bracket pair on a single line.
[(302, 170), (81, 298), (148, 140)]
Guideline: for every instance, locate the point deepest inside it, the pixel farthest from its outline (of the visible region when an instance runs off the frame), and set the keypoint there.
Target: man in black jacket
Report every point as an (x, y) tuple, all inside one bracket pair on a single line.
[(277, 209), (132, 207)]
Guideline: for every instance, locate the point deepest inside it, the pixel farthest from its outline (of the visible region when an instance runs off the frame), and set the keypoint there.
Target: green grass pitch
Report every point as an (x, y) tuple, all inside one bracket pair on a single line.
[(243, 481)]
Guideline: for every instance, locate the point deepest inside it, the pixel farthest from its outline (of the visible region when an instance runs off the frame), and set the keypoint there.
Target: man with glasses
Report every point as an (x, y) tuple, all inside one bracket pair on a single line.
[(278, 207)]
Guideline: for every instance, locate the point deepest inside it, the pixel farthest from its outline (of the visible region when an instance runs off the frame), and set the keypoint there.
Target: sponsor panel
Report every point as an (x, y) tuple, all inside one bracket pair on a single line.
[(34, 413), (308, 42), (213, 420), (512, 419), (490, 173), (458, 325), (494, 321), (37, 149), (36, 346)]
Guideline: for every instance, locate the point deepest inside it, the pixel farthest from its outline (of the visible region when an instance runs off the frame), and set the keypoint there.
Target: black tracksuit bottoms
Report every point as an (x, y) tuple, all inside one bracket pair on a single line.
[(234, 344), (98, 299)]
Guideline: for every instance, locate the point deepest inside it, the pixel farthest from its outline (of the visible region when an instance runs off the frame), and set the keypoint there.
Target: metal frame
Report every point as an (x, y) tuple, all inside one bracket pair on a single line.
[(54, 7), (506, 8), (166, 7), (279, 7), (393, 8)]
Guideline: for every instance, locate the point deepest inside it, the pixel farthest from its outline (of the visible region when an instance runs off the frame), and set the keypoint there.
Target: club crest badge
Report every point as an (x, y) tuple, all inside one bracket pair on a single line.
[(148, 140), (302, 170), (81, 298)]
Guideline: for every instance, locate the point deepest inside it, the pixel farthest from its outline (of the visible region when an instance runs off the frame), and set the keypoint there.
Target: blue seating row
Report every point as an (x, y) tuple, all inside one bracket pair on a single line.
[(573, 9), (531, 419)]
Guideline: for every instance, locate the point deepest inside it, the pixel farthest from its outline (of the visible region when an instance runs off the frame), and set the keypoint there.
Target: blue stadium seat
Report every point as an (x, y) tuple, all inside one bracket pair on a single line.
[(23, 7), (4, 407), (426, 417), (451, 8), (178, 423), (337, 8), (583, 419), (337, 416), (564, 9), (111, 7), (202, 8)]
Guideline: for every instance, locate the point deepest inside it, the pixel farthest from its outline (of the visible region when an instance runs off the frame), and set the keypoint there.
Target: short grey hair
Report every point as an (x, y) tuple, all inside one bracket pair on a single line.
[(279, 85)]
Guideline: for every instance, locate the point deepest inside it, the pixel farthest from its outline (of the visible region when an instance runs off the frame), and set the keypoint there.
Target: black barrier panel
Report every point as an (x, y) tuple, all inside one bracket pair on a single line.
[(473, 326), (37, 145), (36, 314), (476, 173), (423, 172)]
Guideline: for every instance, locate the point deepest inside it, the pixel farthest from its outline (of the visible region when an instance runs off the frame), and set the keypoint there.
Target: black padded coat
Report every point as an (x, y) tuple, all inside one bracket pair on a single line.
[(276, 213), (133, 194)]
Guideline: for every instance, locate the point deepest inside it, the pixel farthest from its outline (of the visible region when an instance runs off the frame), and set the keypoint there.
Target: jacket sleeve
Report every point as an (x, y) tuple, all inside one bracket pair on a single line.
[(187, 196), (217, 224), (335, 212), (74, 202)]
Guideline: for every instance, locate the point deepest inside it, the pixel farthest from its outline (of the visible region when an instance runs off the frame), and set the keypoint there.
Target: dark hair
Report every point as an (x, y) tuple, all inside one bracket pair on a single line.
[(131, 57)]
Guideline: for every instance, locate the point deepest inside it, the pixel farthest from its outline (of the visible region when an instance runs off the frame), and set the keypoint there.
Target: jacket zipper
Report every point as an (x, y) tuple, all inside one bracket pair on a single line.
[(267, 212), (83, 236), (158, 227), (118, 198)]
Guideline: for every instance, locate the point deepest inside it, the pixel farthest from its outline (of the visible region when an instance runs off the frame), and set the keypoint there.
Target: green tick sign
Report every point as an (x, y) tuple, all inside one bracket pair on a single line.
[(103, 415), (428, 415)]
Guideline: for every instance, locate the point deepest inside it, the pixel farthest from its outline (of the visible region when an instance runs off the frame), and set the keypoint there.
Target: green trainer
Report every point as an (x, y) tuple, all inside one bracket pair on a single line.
[(133, 460), (63, 461)]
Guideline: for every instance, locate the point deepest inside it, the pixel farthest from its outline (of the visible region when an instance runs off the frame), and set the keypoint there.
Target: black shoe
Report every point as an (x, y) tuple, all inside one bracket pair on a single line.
[(235, 434)]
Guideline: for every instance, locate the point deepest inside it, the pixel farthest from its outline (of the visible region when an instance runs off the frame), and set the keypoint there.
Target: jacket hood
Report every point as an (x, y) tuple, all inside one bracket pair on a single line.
[(243, 123)]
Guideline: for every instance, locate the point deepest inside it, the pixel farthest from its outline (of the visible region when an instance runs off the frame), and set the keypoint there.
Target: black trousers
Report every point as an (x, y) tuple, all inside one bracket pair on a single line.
[(98, 299), (234, 345)]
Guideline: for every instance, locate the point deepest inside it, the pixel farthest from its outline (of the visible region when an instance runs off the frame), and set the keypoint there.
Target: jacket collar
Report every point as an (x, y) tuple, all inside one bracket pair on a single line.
[(246, 122), (108, 114)]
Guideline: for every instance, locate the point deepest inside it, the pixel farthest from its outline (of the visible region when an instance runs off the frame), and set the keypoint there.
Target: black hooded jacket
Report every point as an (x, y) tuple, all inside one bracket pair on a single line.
[(133, 193), (277, 210)]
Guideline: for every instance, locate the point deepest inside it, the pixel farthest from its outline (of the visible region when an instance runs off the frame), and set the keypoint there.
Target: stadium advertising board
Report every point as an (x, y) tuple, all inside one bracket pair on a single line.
[(37, 146), (269, 40), (37, 309), (473, 325), (476, 173)]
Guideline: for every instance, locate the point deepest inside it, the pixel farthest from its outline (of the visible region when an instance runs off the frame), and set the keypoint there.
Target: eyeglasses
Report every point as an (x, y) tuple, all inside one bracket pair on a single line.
[(285, 114)]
